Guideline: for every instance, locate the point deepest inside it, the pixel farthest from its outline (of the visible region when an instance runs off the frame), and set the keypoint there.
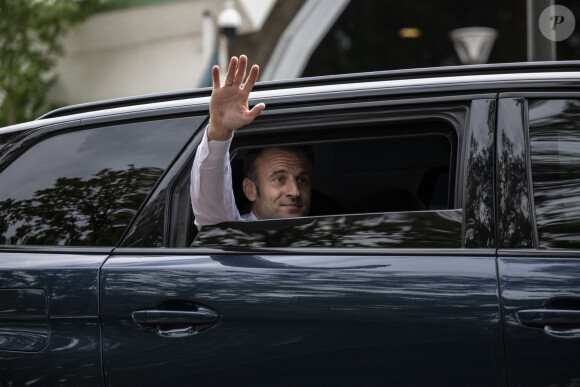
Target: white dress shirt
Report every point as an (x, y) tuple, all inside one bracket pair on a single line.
[(212, 196)]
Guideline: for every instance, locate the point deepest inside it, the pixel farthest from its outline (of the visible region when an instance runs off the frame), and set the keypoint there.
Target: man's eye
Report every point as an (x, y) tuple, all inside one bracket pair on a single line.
[(278, 179)]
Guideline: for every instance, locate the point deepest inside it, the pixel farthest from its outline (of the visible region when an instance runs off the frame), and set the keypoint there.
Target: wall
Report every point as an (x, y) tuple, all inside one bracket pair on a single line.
[(144, 50)]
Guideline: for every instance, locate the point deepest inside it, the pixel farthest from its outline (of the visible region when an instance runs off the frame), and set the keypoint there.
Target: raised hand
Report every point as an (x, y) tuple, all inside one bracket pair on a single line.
[(229, 109)]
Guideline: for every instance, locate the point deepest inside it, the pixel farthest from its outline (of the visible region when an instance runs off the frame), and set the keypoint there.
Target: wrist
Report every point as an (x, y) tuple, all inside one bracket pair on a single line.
[(215, 133)]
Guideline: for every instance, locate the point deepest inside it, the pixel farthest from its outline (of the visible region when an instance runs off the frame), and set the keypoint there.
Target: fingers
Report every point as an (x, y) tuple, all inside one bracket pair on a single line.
[(215, 73), (249, 85), (231, 74), (236, 74), (241, 71)]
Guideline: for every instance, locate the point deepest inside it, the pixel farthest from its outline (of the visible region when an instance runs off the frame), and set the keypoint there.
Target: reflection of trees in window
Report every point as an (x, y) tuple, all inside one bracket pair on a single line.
[(479, 227), (148, 229), (423, 229), (479, 189), (77, 212), (514, 196)]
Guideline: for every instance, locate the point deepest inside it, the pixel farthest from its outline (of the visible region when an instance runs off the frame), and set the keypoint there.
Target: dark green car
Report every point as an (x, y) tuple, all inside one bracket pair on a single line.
[(443, 246)]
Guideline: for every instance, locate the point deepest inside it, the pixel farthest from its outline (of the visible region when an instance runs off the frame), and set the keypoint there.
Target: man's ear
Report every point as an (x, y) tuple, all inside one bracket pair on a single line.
[(249, 188)]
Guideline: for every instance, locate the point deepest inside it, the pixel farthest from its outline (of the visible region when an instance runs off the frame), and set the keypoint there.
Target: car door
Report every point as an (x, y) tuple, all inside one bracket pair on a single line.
[(388, 298), (538, 159), (67, 192)]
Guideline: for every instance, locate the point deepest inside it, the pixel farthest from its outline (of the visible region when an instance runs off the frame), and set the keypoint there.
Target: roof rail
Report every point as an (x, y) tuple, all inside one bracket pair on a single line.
[(428, 72)]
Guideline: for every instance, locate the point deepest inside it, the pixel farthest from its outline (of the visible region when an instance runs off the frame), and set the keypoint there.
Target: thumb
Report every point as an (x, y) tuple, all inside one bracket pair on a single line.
[(257, 110)]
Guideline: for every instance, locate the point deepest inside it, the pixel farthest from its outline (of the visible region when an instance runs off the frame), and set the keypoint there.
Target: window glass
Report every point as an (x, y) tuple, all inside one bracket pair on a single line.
[(555, 154), (82, 188), (440, 229)]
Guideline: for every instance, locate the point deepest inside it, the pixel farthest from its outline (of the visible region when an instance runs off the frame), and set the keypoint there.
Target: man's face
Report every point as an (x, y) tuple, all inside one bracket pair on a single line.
[(284, 185)]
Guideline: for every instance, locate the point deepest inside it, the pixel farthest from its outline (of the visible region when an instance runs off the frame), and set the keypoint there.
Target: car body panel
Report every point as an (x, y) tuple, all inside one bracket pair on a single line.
[(72, 352), (547, 350), (327, 315), (304, 319), (539, 287)]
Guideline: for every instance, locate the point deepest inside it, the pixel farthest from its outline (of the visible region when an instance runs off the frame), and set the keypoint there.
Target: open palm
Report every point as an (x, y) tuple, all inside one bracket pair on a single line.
[(229, 109)]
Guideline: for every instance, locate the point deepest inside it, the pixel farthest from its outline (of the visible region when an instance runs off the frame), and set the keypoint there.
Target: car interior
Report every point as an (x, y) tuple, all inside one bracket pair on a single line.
[(403, 173)]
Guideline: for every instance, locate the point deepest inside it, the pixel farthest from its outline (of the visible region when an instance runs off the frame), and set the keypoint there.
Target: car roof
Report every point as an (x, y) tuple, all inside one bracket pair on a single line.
[(470, 77), (446, 71)]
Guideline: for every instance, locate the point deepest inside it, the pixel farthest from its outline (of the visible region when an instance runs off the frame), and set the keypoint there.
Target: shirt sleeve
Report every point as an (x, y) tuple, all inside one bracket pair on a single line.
[(212, 196)]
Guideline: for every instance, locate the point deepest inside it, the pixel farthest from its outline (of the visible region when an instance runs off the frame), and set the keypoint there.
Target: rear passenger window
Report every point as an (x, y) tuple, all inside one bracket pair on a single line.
[(555, 154), (83, 187), (381, 185)]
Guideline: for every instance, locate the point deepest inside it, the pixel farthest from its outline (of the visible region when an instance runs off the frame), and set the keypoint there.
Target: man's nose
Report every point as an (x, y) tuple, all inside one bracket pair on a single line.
[(292, 188)]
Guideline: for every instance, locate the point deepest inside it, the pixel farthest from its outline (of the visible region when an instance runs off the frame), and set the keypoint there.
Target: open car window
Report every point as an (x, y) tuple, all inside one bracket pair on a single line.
[(380, 187), (403, 172)]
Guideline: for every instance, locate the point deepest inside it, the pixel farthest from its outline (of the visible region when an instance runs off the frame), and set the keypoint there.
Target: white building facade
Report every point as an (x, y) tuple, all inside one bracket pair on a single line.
[(150, 49)]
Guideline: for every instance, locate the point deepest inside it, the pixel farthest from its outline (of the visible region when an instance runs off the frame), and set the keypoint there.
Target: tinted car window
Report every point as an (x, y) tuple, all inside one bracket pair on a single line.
[(555, 154), (82, 188), (424, 229)]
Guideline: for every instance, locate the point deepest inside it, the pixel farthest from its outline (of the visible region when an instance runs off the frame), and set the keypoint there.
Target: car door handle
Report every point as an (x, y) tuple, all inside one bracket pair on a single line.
[(176, 323), (543, 317), (156, 317), (562, 323)]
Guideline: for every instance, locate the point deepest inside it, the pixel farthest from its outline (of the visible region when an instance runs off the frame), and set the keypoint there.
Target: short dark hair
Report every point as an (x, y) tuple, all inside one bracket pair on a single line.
[(249, 167)]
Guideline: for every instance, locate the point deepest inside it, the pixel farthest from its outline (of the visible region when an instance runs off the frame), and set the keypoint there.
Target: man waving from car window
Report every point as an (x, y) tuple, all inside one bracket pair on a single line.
[(277, 180)]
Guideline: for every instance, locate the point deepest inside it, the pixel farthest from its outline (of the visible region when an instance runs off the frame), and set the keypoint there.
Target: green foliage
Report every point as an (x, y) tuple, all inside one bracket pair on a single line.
[(31, 33)]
